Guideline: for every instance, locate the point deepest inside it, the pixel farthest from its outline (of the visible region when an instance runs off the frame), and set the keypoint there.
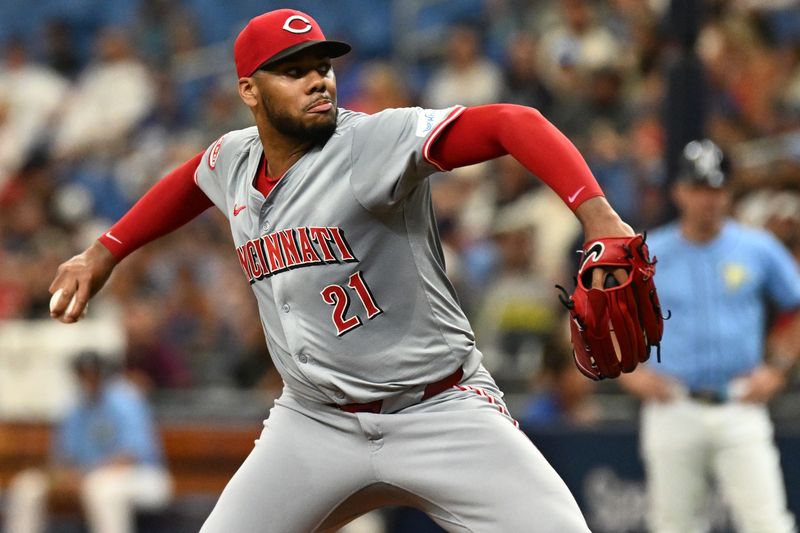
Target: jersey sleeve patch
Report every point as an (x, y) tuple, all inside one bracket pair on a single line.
[(451, 115), (427, 119), (213, 154)]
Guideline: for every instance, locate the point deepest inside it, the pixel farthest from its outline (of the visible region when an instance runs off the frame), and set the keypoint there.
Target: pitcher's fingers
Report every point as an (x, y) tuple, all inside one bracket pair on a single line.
[(55, 284), (61, 279), (598, 277), (59, 304), (78, 303), (54, 299)]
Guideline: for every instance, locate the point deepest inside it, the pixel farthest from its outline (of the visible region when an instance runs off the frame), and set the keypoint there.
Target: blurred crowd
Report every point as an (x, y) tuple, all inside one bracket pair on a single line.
[(86, 130)]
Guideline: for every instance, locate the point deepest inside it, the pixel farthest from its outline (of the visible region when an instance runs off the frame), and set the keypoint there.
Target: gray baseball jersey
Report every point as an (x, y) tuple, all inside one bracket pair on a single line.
[(346, 264), (344, 258)]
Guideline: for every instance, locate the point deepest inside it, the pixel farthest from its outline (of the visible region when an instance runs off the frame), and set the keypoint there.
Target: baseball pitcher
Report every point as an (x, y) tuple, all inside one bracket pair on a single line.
[(385, 401)]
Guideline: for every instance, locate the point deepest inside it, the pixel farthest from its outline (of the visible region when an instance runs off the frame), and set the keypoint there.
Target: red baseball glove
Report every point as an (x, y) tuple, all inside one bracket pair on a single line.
[(614, 327)]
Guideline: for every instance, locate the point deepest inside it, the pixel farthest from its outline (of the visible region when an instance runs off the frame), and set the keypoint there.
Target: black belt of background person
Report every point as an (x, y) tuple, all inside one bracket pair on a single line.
[(432, 389), (709, 396)]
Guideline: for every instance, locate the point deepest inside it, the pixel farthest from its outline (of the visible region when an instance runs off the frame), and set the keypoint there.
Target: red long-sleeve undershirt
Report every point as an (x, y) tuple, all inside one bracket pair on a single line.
[(486, 132), (169, 204), (478, 134)]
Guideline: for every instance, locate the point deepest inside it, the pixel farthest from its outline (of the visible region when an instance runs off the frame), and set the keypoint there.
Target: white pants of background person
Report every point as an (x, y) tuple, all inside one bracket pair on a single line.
[(684, 442), (109, 495)]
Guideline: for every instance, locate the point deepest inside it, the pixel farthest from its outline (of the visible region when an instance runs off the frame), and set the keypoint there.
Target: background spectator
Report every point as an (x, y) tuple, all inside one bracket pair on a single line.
[(106, 455), (466, 77), (518, 314), (30, 94), (562, 397)]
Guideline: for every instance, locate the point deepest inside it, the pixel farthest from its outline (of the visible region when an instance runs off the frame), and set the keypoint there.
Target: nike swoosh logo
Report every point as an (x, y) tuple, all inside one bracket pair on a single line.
[(238, 209), (572, 197), (108, 234)]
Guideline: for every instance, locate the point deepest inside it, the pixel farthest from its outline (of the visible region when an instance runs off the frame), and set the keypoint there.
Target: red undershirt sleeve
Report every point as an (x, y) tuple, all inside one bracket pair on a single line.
[(485, 132), (169, 204)]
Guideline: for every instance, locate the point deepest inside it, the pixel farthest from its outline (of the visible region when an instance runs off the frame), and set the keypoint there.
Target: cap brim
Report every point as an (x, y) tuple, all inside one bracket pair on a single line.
[(329, 48)]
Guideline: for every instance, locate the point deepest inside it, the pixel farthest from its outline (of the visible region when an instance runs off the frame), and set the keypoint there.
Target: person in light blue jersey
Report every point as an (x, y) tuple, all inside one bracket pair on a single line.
[(105, 452), (704, 413)]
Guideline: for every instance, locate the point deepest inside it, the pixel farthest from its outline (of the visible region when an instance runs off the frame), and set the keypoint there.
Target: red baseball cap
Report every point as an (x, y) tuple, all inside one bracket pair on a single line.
[(276, 35)]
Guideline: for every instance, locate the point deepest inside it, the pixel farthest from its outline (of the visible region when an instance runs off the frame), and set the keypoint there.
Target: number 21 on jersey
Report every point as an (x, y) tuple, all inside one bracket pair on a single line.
[(339, 298)]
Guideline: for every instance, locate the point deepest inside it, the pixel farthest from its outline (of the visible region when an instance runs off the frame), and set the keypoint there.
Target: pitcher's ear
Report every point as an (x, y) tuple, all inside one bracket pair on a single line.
[(248, 91)]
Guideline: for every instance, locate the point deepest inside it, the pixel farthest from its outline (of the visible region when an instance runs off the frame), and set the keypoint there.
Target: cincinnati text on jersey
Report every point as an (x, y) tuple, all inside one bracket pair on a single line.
[(293, 248)]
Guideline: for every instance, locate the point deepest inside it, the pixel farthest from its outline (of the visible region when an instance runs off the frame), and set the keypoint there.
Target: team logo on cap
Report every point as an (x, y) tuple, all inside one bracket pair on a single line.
[(288, 24)]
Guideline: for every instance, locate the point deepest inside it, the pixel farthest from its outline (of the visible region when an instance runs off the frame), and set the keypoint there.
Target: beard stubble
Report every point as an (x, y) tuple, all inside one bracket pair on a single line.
[(316, 134)]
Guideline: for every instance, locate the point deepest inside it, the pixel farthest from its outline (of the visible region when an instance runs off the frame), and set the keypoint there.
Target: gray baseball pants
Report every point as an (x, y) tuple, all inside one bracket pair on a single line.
[(457, 456)]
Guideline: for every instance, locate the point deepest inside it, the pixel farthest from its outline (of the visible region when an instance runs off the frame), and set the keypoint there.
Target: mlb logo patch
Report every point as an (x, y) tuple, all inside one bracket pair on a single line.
[(427, 119)]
